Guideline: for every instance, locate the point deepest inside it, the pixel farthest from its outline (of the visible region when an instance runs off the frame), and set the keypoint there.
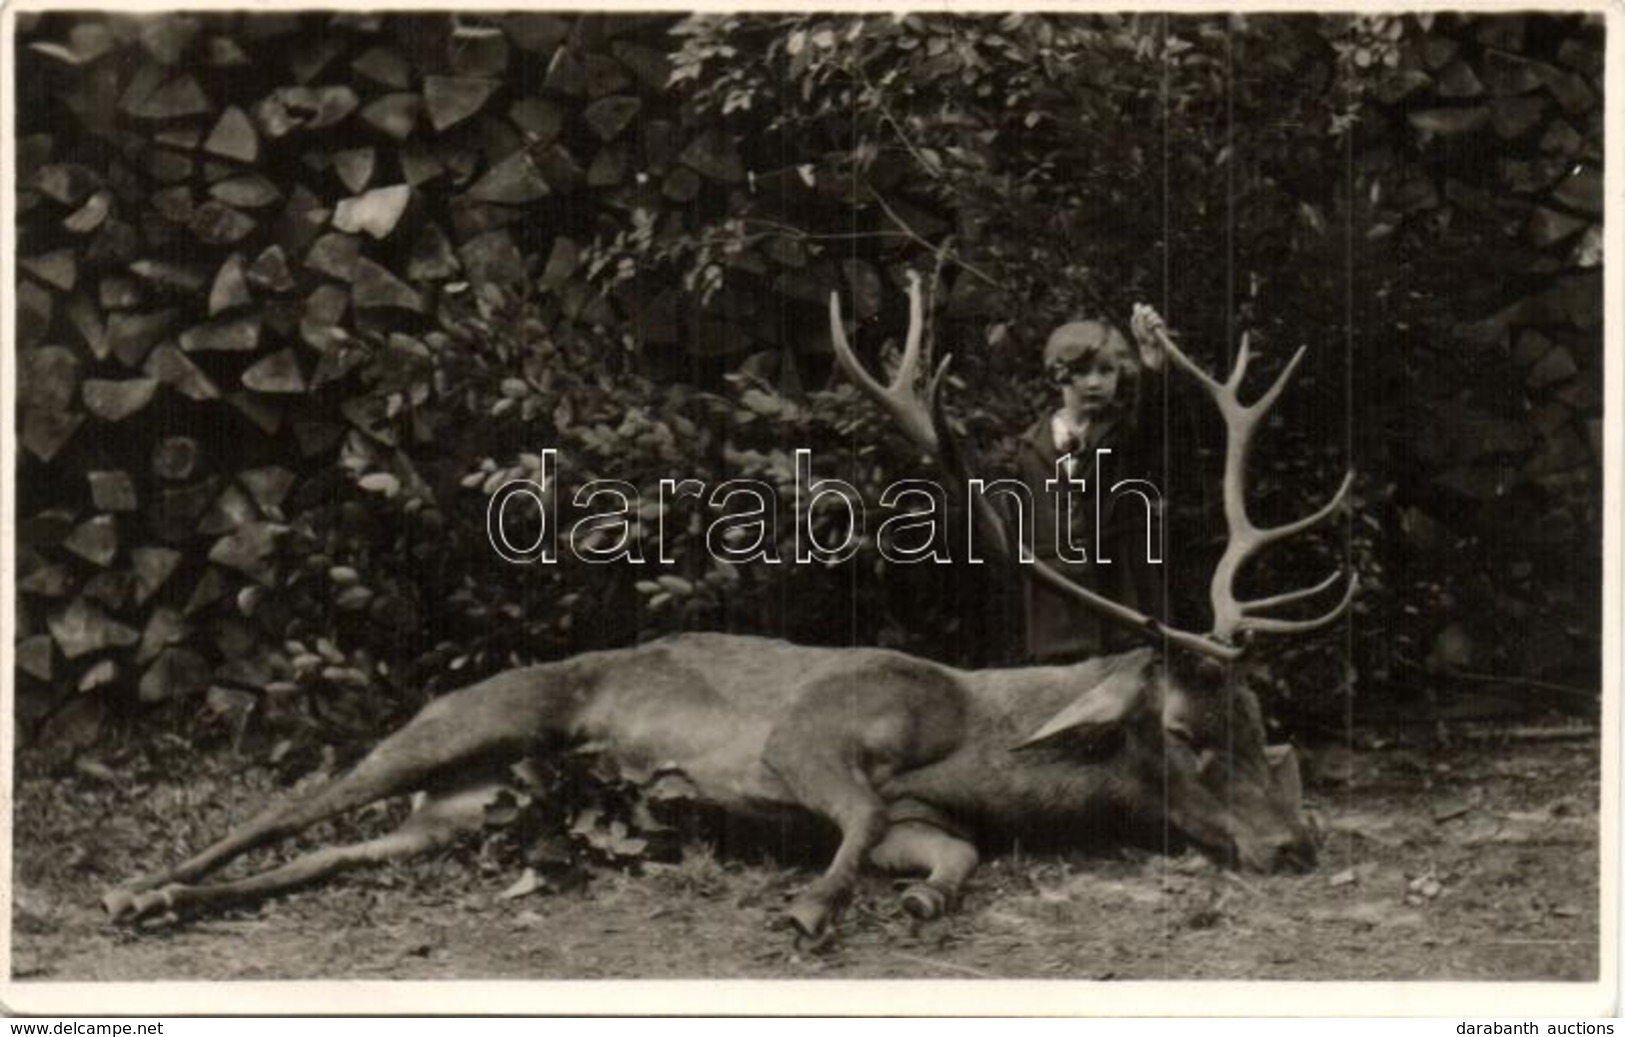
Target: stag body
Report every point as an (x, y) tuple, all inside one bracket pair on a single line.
[(912, 761)]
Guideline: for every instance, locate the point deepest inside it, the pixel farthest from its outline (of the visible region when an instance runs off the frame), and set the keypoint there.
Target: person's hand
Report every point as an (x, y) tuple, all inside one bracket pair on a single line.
[(1148, 327)]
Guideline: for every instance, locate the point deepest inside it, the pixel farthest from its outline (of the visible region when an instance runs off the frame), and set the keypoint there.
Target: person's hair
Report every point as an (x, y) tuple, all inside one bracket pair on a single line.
[(1088, 337)]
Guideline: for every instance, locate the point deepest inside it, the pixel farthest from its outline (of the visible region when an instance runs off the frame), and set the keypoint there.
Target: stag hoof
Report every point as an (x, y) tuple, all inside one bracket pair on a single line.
[(823, 943), (118, 903), (811, 919), (814, 915), (926, 901), (127, 906)]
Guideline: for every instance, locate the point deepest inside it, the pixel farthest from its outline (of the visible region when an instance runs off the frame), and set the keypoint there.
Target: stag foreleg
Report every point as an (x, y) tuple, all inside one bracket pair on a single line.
[(842, 740)]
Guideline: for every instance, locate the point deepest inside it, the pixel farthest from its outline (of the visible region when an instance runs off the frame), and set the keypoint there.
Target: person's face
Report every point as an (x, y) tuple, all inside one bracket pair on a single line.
[(1088, 383)]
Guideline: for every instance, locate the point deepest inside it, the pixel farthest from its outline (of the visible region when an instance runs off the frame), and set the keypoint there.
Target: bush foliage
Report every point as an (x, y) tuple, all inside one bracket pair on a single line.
[(298, 291)]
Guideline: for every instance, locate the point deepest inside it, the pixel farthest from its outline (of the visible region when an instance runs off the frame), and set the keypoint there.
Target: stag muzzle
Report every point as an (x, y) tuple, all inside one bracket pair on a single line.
[(1287, 844), (1250, 818)]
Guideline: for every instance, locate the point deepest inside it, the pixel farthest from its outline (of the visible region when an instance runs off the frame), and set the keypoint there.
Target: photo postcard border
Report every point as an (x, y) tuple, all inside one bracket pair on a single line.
[(868, 997)]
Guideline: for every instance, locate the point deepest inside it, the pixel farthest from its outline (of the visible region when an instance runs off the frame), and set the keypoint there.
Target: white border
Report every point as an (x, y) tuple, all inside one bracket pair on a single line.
[(879, 997)]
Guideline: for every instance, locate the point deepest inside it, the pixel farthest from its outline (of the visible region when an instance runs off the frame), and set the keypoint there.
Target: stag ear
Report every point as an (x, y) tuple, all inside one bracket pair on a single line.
[(1110, 700)]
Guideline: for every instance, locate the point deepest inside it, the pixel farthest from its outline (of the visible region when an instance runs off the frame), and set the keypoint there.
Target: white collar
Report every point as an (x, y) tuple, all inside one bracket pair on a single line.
[(1065, 434)]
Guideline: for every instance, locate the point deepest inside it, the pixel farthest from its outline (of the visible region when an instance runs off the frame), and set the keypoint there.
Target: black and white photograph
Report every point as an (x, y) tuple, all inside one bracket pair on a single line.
[(854, 496)]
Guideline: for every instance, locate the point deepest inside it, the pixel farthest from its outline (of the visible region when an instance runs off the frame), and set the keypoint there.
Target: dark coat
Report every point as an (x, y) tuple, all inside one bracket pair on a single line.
[(1057, 629)]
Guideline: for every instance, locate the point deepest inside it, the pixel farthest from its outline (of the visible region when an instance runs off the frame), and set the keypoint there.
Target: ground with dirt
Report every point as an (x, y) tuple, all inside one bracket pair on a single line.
[(1477, 862)]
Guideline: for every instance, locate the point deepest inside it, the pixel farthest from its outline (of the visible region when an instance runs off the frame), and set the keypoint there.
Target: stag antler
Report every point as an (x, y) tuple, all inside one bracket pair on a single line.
[(1232, 616), (915, 412)]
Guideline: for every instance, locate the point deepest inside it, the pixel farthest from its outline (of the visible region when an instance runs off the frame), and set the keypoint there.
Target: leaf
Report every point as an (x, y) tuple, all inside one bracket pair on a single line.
[(82, 628), (116, 400), (175, 673), (354, 599), (451, 99), (377, 212), (231, 702), (380, 482), (277, 373)]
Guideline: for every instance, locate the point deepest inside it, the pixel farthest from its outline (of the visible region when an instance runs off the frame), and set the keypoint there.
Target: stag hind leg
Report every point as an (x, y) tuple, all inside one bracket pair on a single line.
[(494, 721), (434, 824), (839, 741)]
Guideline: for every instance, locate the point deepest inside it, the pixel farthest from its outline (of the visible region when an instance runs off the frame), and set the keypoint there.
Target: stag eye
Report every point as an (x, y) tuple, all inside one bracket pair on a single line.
[(1182, 734)]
